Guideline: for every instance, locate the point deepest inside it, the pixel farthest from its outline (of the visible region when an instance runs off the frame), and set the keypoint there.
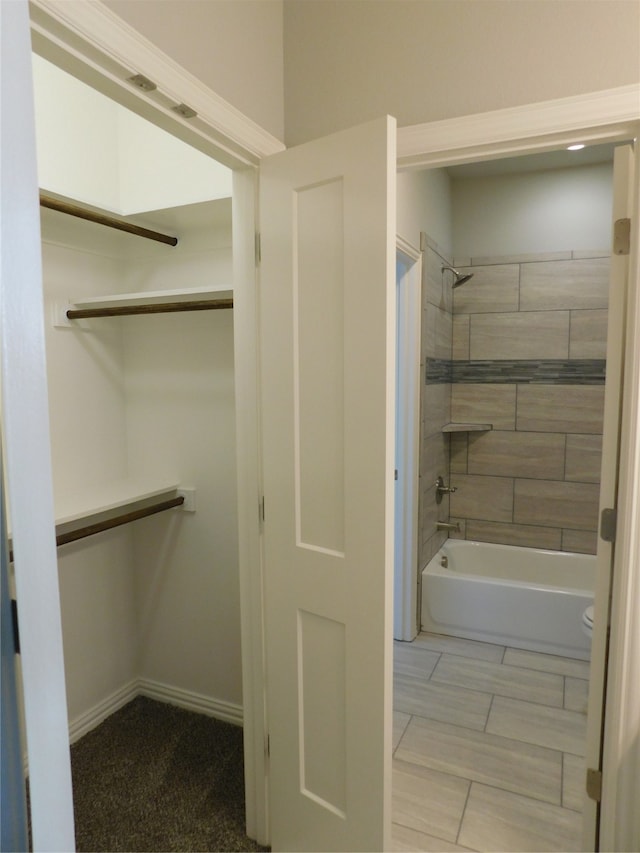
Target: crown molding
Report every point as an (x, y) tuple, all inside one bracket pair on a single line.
[(607, 115), (89, 36)]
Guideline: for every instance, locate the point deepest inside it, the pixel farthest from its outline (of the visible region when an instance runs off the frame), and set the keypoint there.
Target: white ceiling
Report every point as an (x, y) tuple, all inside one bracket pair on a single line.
[(545, 161)]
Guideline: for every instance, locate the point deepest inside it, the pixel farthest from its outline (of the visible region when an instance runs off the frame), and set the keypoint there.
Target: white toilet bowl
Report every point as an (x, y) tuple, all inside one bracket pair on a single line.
[(587, 621)]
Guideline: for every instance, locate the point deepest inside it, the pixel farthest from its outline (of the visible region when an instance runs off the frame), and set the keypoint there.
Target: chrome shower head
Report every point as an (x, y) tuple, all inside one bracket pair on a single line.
[(459, 277)]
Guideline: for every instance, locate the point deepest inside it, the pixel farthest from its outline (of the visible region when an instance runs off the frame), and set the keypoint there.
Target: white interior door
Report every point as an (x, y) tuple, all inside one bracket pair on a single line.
[(618, 306), (327, 282)]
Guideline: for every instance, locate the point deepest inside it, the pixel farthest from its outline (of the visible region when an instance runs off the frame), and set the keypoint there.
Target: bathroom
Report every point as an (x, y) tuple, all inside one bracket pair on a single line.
[(519, 453)]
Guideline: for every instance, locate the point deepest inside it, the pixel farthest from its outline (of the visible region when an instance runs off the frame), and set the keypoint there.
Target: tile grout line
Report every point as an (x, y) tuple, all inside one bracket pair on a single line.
[(486, 722), (464, 809)]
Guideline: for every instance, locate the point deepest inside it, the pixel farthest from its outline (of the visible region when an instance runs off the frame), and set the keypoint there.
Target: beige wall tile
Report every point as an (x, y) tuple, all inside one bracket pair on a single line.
[(458, 452), (591, 253), (492, 289), (436, 407), (555, 285), (560, 408), (529, 334), (588, 334), (526, 257), (584, 455), (432, 279), (479, 403), (488, 498), (434, 458), (517, 454), (580, 541), (436, 332), (554, 504), (460, 345), (527, 536)]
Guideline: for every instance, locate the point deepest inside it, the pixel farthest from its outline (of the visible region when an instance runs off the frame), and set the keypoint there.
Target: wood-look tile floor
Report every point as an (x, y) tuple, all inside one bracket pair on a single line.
[(489, 747)]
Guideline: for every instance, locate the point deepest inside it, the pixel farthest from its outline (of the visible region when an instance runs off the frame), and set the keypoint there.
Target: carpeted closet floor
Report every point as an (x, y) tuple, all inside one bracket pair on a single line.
[(153, 777)]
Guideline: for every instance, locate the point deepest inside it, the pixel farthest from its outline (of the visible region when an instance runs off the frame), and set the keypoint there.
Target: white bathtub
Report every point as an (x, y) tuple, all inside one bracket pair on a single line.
[(521, 597)]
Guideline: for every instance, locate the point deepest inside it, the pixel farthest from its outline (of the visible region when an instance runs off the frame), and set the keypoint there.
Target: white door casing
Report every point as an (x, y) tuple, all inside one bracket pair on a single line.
[(617, 307), (327, 328), (25, 416), (408, 324)]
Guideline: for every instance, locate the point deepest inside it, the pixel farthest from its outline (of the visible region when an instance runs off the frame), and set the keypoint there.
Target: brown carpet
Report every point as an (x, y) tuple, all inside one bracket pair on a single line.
[(153, 777)]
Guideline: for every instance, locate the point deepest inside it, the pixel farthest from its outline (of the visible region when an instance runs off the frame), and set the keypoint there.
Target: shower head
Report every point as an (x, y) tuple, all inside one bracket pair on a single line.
[(459, 277)]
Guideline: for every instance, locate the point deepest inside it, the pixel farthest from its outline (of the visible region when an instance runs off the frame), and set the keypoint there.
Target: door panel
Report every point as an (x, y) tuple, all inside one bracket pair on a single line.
[(327, 286)]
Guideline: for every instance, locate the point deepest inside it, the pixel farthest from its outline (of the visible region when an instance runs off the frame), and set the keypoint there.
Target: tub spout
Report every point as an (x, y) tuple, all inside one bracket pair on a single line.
[(445, 525)]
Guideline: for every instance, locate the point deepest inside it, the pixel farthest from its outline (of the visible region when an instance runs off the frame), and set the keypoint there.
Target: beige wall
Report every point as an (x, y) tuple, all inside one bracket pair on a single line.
[(348, 61), (233, 47)]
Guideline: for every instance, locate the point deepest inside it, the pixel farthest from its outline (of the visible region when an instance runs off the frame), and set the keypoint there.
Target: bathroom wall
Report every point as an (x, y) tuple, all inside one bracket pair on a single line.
[(529, 347)]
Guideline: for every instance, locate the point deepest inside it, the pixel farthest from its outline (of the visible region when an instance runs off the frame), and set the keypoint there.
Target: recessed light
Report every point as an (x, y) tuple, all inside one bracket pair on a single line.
[(576, 147)]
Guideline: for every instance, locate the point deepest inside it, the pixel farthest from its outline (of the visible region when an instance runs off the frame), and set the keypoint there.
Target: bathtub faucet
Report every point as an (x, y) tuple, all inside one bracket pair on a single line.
[(445, 525)]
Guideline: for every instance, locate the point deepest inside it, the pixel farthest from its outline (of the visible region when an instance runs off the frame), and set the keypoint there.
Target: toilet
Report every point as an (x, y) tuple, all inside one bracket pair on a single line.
[(587, 621)]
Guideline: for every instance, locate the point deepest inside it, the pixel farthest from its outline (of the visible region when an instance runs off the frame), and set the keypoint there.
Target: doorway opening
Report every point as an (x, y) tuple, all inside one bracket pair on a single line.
[(479, 419)]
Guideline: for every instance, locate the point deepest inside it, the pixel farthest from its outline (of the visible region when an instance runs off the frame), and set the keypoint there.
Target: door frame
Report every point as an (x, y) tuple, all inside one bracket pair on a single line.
[(91, 42), (408, 375)]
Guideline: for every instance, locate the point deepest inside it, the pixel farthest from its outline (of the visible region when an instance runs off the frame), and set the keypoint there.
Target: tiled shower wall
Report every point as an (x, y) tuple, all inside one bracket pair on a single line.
[(529, 349), (437, 306)]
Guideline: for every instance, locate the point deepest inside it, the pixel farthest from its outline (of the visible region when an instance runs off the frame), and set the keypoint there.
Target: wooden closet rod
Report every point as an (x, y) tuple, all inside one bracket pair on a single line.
[(158, 308), (117, 521), (103, 219)]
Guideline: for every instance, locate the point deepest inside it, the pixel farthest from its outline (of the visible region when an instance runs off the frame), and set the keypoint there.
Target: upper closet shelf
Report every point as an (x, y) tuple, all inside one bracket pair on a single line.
[(118, 496), (146, 302)]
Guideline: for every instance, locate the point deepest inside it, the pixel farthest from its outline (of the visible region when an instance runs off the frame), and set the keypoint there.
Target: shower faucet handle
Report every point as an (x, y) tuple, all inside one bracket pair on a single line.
[(442, 490)]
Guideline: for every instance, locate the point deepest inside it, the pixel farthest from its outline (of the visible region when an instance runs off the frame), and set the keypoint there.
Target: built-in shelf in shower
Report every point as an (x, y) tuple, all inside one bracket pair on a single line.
[(466, 427)]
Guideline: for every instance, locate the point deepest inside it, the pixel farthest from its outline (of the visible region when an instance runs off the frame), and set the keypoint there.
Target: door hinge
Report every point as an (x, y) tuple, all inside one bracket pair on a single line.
[(267, 746), (261, 510), (258, 248), (423, 241), (395, 474), (14, 626), (608, 524), (621, 236), (594, 784)]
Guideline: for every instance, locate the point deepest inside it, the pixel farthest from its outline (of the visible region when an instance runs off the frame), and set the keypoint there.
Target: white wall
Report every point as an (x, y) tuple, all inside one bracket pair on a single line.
[(424, 204), (97, 152), (349, 61), (146, 397), (534, 212), (234, 47)]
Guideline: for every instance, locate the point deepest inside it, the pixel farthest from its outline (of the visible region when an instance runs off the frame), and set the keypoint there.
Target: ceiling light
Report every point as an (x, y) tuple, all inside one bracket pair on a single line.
[(575, 147)]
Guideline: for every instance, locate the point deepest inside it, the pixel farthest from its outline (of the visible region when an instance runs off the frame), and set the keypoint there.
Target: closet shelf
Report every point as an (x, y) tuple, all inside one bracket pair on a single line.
[(149, 302), (104, 219), (113, 505), (467, 427)]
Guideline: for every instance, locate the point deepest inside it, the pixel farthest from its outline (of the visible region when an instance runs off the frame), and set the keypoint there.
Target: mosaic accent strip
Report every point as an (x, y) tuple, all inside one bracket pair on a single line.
[(579, 371)]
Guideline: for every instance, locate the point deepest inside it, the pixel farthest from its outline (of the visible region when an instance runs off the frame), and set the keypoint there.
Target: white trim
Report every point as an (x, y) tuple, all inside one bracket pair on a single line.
[(25, 416), (89, 34), (187, 699), (620, 821), (408, 346), (191, 701), (87, 721), (608, 115)]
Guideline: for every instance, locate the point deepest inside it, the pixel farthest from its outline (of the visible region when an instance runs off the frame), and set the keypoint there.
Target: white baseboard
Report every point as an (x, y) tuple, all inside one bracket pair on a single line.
[(226, 711), (96, 715)]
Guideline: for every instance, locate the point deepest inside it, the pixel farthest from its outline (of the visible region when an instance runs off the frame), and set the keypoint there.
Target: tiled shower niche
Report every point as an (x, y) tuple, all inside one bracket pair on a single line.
[(528, 357)]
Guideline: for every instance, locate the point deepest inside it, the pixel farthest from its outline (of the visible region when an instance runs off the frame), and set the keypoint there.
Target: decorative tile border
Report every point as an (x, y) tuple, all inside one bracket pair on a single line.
[(579, 371)]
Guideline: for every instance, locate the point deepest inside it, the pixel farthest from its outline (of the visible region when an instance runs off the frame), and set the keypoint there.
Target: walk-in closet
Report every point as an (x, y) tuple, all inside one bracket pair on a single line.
[(139, 337)]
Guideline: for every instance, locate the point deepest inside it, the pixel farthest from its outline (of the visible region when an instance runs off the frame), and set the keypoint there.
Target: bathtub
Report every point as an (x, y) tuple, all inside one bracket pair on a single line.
[(521, 597)]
